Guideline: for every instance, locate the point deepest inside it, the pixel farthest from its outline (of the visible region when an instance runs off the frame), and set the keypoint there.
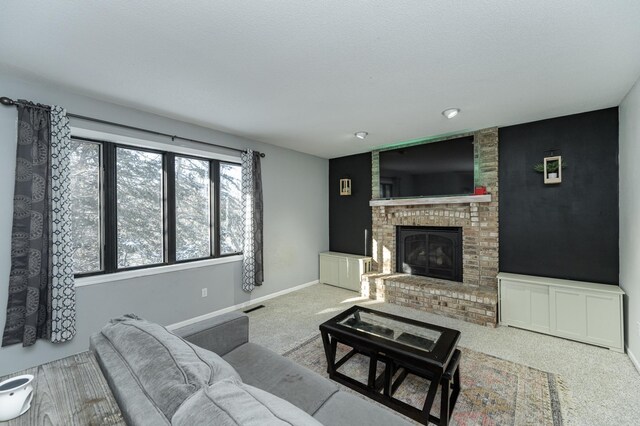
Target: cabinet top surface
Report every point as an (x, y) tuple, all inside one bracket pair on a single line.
[(531, 279), (337, 254)]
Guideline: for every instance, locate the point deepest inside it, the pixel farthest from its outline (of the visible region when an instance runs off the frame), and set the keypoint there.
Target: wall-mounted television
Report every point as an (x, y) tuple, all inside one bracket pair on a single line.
[(430, 169)]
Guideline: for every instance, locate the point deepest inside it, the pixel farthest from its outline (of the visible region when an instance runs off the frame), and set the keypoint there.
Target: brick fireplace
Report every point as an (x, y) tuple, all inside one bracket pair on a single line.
[(472, 299)]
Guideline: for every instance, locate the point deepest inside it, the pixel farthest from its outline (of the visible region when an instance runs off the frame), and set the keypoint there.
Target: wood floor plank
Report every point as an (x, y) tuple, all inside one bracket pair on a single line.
[(70, 391)]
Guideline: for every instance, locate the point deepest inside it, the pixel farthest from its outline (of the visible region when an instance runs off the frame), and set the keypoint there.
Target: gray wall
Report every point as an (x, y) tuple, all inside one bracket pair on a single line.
[(629, 213), (296, 229)]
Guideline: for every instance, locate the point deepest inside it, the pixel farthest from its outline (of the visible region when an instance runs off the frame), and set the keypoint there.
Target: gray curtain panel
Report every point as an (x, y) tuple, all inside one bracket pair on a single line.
[(63, 292), (28, 303), (252, 205), (41, 300)]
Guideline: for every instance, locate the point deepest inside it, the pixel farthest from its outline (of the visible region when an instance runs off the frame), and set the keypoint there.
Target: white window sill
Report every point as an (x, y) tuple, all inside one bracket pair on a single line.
[(126, 275)]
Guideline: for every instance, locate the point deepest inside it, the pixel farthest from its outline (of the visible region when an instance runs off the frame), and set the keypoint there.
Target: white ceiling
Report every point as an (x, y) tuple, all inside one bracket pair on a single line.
[(307, 74)]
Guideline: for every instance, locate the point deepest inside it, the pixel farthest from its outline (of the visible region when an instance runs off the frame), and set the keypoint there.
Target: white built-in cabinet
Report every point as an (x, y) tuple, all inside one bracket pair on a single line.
[(586, 312), (343, 270)]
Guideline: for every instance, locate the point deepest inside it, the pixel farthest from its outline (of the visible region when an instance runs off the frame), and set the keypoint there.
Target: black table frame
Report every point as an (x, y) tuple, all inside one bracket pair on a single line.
[(440, 366)]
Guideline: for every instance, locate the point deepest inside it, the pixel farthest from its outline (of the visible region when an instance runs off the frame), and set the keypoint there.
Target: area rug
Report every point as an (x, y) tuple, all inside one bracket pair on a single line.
[(494, 391)]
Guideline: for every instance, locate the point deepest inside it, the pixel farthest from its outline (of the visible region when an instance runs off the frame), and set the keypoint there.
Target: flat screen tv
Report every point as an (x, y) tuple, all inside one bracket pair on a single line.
[(430, 169)]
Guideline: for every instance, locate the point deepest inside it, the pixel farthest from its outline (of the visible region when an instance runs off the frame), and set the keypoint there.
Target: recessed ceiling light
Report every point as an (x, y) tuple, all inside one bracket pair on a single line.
[(361, 135), (451, 112)]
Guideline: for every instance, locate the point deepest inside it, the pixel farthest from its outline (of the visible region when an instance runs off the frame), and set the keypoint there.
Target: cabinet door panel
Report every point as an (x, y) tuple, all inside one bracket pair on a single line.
[(540, 308), (603, 319), (569, 313), (329, 270), (525, 305), (516, 304), (350, 273), (344, 272)]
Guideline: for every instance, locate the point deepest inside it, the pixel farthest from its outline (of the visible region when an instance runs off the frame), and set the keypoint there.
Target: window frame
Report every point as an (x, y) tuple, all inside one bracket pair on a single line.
[(220, 254), (108, 206), (101, 203), (212, 207)]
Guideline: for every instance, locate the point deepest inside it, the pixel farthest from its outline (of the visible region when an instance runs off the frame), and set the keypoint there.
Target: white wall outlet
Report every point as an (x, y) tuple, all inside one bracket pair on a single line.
[(204, 292)]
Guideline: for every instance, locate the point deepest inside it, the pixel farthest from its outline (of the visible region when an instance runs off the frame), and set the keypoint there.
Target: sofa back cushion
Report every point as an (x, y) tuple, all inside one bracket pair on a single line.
[(230, 403), (167, 368)]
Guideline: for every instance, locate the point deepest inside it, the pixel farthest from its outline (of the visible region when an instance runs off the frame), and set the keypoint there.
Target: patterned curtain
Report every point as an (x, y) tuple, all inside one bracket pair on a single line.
[(63, 292), (39, 224), (252, 265)]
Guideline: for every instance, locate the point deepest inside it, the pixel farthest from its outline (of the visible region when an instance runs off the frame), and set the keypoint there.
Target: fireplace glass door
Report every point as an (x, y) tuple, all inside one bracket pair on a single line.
[(430, 251)]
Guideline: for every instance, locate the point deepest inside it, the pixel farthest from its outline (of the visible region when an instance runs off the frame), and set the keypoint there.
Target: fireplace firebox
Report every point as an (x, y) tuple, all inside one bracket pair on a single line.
[(429, 251)]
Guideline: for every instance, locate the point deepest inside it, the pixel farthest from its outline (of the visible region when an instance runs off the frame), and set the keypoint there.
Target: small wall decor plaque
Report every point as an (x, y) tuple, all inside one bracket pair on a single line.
[(345, 186), (553, 169)]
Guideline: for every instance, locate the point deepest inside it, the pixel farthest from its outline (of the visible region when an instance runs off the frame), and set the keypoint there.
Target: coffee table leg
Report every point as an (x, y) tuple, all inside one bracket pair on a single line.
[(330, 353), (388, 376), (373, 369), (431, 396), (453, 372), (455, 389), (444, 401)]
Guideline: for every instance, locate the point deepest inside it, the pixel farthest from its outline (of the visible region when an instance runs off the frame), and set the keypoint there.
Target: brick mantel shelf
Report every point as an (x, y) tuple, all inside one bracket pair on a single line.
[(422, 201)]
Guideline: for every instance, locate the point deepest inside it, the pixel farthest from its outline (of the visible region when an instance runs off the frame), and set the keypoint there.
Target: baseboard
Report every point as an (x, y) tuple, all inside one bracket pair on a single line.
[(239, 306), (633, 359)]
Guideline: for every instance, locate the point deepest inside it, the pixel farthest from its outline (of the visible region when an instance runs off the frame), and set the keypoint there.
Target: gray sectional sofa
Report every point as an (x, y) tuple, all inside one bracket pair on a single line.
[(209, 373)]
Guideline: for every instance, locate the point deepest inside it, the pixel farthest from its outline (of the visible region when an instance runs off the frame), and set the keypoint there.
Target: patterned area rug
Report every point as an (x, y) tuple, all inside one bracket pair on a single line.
[(494, 391)]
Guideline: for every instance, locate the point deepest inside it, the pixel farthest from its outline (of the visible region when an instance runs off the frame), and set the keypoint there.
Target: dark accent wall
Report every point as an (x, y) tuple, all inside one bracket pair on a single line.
[(350, 215), (568, 230)]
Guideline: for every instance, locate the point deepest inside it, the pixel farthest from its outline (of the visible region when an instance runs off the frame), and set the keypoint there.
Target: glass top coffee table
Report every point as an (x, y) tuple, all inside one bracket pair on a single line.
[(404, 346)]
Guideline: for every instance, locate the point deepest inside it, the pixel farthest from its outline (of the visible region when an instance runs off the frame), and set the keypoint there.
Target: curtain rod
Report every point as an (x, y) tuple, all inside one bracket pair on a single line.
[(10, 102)]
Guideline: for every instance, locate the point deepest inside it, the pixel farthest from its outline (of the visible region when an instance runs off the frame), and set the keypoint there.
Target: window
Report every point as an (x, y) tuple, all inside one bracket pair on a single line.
[(138, 208), (86, 205), (230, 208), (193, 208)]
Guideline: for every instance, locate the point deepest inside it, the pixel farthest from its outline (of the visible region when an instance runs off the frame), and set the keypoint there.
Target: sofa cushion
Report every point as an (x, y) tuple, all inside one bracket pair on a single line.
[(231, 403), (220, 334), (344, 408), (137, 409), (167, 368), (264, 369)]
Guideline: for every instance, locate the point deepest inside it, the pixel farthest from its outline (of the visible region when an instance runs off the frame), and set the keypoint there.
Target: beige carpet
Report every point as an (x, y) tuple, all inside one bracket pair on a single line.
[(604, 384), (494, 391)]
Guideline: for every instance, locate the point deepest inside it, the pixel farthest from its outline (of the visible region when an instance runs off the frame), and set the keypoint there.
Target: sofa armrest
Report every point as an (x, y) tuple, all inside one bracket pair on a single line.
[(220, 334)]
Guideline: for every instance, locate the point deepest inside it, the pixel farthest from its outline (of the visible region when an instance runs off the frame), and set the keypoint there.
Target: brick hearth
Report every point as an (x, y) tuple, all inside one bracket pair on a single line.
[(475, 298), (456, 300)]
